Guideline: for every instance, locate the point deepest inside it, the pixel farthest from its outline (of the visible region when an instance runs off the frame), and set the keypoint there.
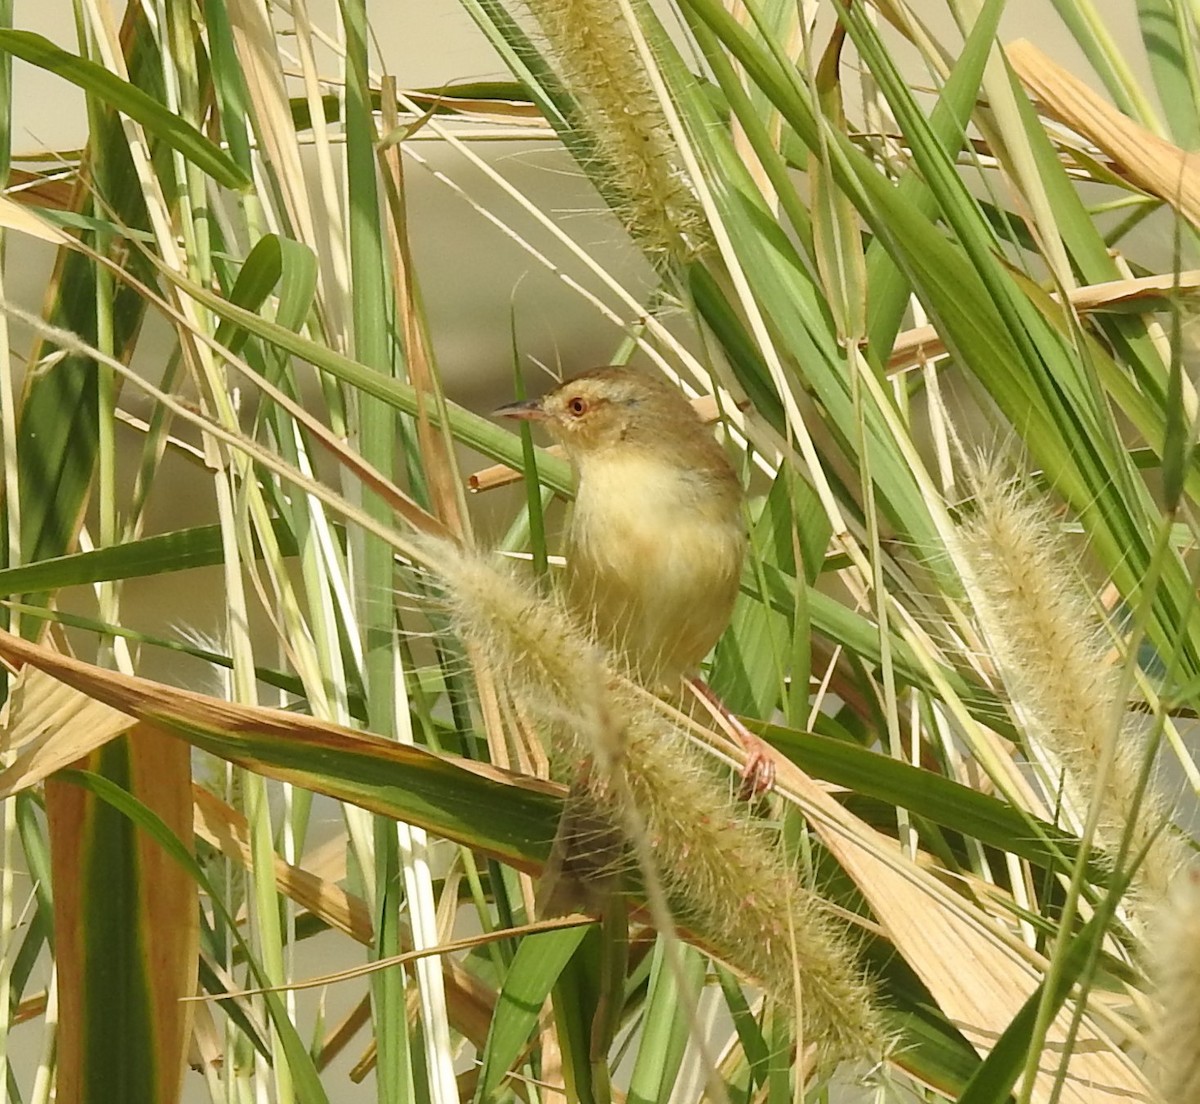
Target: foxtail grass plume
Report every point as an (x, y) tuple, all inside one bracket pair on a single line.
[(1049, 645), (598, 62), (1175, 948), (726, 878)]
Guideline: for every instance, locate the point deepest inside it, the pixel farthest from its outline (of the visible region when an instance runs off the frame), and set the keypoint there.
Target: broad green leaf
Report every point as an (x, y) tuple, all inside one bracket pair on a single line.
[(837, 242), (136, 814), (125, 928), (150, 556), (888, 287), (272, 259), (472, 803)]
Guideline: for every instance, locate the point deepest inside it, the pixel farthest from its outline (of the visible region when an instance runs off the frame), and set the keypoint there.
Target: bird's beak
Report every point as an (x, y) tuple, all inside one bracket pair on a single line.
[(530, 411)]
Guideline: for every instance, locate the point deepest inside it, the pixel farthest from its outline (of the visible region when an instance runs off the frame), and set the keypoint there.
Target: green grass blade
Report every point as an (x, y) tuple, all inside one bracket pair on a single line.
[(534, 970), (129, 100)]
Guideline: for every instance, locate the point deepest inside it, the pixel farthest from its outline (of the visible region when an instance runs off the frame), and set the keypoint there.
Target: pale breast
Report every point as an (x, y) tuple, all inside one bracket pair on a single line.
[(654, 561)]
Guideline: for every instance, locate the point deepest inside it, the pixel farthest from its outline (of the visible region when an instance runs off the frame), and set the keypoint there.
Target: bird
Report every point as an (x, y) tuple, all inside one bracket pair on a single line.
[(657, 539)]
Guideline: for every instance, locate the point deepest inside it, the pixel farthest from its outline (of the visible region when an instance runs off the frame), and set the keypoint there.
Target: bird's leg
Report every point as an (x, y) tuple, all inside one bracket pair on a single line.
[(758, 772)]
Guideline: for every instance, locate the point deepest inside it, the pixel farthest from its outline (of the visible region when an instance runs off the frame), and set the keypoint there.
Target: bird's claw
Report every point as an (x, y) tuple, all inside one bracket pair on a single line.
[(758, 772)]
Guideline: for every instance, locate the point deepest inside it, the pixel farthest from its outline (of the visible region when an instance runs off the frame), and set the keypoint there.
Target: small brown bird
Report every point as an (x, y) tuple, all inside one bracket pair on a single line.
[(656, 540)]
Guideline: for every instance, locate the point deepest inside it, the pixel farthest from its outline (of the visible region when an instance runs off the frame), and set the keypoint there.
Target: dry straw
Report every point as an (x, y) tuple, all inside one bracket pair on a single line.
[(725, 876), (1049, 644)]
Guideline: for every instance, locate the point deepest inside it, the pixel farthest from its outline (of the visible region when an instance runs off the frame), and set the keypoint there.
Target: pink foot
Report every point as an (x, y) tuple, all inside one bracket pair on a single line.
[(758, 772)]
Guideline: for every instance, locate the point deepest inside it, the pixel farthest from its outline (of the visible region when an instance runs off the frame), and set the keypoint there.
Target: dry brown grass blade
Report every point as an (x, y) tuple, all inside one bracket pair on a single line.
[(32, 1007), (483, 109), (153, 701), (1150, 162), (922, 343), (437, 451), (161, 779), (405, 958), (328, 860), (226, 829), (500, 475), (207, 1052), (339, 1036), (50, 725), (470, 1002), (165, 910), (40, 190), (978, 977)]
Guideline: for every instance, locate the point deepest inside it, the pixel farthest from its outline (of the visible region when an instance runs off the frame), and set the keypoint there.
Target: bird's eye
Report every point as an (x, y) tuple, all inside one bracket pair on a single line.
[(577, 406)]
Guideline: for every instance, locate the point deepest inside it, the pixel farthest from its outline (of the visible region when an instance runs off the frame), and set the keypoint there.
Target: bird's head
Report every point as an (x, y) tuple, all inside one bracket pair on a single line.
[(602, 408)]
